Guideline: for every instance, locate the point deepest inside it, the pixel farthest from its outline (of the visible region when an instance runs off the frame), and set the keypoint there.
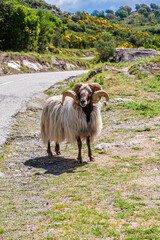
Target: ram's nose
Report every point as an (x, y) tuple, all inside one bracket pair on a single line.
[(83, 103)]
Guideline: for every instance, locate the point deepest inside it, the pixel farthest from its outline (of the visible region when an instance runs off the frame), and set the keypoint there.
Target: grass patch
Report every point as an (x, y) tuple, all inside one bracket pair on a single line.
[(139, 234), (133, 197), (1, 231), (137, 148), (146, 129), (48, 92), (144, 109)]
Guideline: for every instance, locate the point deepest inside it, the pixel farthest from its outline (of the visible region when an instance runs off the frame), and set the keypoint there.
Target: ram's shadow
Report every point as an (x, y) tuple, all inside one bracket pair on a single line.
[(54, 165)]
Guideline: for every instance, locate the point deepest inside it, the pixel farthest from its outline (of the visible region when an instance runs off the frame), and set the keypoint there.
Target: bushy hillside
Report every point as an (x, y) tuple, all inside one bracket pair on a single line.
[(140, 28), (33, 25)]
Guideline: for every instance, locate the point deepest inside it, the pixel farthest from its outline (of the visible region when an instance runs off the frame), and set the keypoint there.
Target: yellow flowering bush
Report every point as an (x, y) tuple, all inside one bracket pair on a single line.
[(125, 45)]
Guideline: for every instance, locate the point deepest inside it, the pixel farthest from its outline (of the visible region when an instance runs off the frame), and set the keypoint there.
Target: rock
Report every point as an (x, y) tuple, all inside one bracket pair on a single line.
[(35, 105), (34, 66), (104, 146), (153, 139), (132, 54), (16, 65), (47, 66), (2, 71), (70, 66), (2, 174), (59, 64), (119, 100), (128, 165), (54, 60)]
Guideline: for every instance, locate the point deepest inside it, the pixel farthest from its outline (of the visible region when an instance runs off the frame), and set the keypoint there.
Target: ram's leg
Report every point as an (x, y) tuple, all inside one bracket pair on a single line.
[(79, 142), (49, 149), (57, 149), (89, 149)]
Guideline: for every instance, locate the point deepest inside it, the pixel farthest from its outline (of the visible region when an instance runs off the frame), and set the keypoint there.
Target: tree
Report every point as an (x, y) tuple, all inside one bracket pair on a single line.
[(146, 7), (127, 9), (122, 14), (105, 46), (154, 6), (157, 13), (19, 27), (110, 16), (143, 11), (151, 17), (101, 14), (137, 6), (48, 25), (109, 11), (76, 27), (95, 13), (75, 18)]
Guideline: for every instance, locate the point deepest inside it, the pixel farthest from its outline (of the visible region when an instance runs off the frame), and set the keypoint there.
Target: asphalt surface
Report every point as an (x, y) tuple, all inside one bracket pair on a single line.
[(17, 90)]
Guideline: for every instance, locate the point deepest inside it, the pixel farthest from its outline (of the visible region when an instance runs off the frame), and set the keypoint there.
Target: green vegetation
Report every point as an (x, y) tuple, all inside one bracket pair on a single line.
[(37, 26), (145, 109), (105, 46)]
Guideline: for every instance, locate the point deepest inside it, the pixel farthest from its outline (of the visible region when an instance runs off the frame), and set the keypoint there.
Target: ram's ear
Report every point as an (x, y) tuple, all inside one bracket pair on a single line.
[(77, 87), (95, 87)]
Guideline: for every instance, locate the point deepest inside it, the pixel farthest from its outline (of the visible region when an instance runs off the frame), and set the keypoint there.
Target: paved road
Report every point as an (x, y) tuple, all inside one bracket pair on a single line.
[(17, 90)]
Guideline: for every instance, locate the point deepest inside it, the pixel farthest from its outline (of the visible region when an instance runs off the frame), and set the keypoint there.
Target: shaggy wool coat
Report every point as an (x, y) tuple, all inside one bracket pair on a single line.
[(67, 122)]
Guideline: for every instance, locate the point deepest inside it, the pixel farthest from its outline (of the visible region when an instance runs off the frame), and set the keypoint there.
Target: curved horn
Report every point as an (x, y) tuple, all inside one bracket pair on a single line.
[(71, 94), (96, 97)]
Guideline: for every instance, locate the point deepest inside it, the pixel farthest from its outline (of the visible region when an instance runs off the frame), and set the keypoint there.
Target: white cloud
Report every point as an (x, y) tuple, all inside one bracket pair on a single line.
[(66, 4), (84, 5)]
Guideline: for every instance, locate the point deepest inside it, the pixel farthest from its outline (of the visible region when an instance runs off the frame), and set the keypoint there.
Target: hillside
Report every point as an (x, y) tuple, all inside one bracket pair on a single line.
[(35, 4), (39, 26)]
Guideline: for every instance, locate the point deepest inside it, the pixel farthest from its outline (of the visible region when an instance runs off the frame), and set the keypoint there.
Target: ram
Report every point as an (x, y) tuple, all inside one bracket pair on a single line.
[(73, 116)]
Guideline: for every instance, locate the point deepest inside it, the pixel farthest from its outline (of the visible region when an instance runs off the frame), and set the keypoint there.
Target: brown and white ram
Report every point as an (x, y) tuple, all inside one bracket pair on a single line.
[(73, 116)]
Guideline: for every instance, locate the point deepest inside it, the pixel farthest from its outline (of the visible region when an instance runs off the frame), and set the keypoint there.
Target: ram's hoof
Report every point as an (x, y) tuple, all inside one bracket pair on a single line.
[(91, 159), (58, 153), (50, 154), (79, 160)]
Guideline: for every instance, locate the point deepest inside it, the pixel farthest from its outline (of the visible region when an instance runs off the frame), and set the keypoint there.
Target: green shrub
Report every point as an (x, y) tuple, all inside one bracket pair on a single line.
[(76, 27), (19, 27), (48, 25), (105, 46)]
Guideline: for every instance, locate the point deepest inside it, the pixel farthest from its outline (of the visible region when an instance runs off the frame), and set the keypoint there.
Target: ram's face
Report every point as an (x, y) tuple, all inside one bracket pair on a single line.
[(84, 96)]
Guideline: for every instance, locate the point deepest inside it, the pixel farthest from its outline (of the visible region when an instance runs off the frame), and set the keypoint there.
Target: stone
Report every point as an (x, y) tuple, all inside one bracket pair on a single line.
[(2, 174), (132, 54), (34, 66), (119, 100), (104, 146), (70, 66), (16, 65), (54, 60), (2, 71)]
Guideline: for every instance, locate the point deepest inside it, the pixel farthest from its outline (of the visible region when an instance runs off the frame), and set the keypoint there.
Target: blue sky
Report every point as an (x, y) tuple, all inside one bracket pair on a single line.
[(91, 5)]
